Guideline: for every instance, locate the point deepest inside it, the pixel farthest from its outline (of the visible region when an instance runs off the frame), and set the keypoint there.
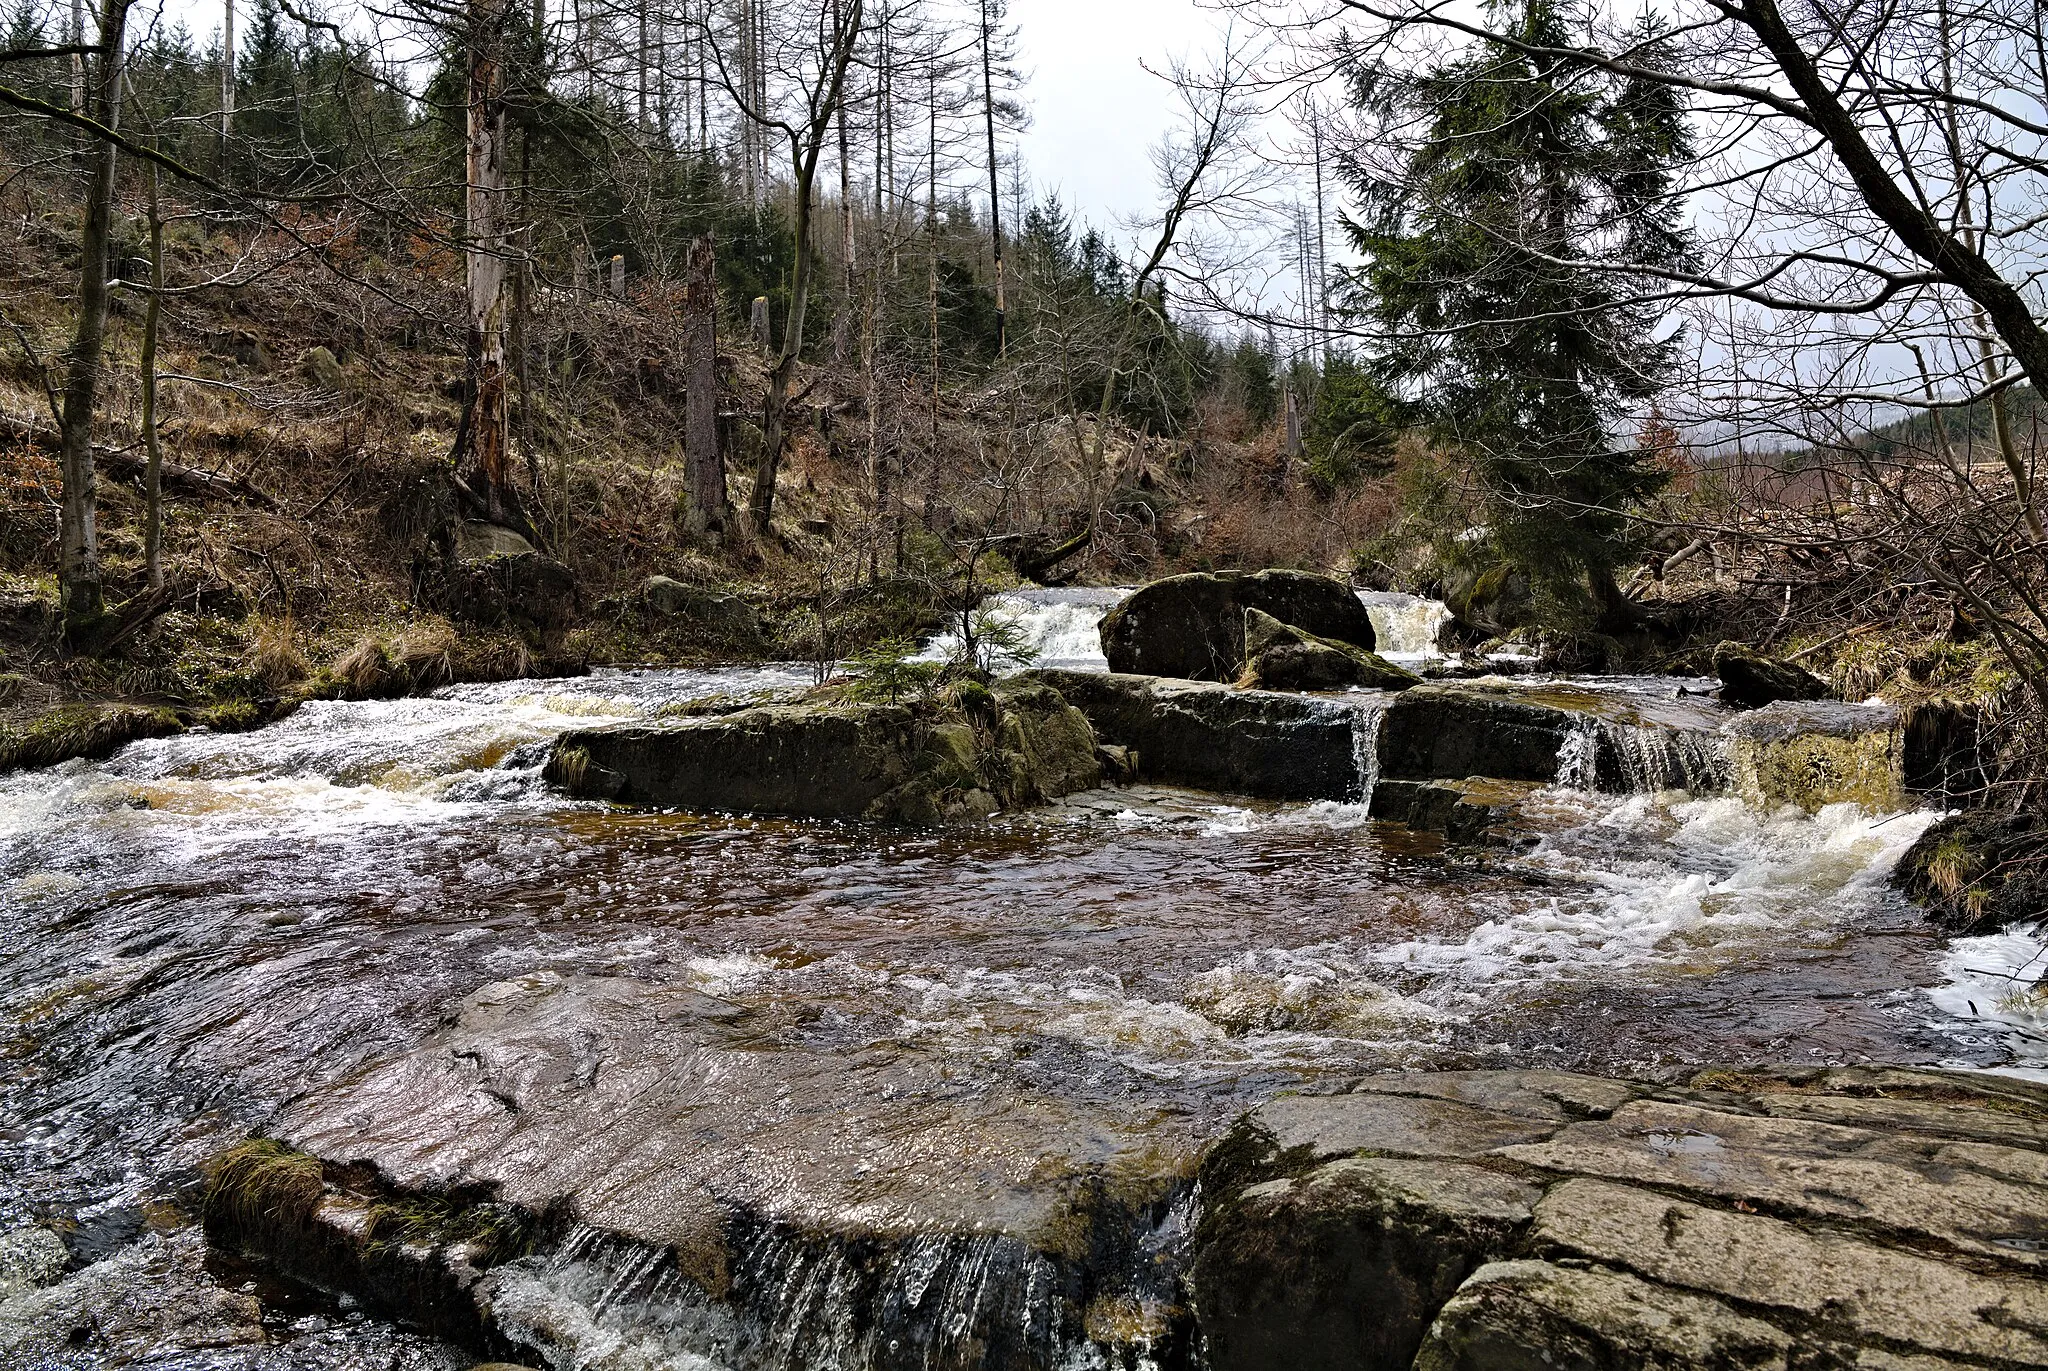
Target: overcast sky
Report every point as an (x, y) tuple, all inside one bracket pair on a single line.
[(1095, 111)]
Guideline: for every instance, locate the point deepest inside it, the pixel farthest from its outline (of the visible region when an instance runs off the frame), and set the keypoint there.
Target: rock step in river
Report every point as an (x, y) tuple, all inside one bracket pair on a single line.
[(1412, 756), (1453, 1221)]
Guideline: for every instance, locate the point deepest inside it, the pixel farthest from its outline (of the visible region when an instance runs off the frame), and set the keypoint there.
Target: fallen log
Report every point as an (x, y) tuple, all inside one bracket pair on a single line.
[(127, 466)]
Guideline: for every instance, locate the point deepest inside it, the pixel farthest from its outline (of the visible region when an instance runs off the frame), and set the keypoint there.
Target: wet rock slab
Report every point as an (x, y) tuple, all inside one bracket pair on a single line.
[(1506, 1220), (726, 1167)]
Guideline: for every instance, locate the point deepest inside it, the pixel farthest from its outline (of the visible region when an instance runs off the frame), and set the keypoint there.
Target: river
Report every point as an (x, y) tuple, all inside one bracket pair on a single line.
[(203, 928)]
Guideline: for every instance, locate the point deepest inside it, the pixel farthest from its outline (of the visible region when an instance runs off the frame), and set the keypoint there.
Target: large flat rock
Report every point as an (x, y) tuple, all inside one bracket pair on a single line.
[(707, 1144), (842, 759), (1274, 744), (1866, 1218)]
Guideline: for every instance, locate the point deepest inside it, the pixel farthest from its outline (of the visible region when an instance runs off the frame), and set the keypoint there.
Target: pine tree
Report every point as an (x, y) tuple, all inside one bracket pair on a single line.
[(1491, 328)]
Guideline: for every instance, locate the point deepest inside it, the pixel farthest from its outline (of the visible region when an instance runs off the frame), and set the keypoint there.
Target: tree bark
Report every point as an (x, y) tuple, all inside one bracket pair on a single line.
[(82, 599), (703, 462), (1960, 263), (483, 441)]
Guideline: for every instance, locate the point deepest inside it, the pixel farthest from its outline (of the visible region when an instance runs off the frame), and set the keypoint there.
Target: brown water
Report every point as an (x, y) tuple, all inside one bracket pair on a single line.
[(203, 928)]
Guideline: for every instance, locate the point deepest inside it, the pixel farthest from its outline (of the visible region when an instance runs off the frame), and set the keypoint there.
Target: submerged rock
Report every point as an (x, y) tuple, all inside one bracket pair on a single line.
[(1819, 753), (1473, 810), (1750, 678), (838, 759), (1193, 626), (1280, 656), (1496, 1221)]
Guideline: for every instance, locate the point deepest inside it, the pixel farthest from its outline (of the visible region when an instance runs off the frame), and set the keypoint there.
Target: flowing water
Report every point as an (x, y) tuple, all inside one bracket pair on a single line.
[(203, 928)]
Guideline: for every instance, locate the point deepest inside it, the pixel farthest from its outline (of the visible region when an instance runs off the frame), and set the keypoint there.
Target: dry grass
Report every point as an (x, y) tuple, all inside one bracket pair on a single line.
[(274, 655), (259, 1183), (425, 652), (365, 669)]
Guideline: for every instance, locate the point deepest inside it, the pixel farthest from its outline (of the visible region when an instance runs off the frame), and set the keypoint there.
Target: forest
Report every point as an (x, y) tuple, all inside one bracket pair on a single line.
[(661, 707)]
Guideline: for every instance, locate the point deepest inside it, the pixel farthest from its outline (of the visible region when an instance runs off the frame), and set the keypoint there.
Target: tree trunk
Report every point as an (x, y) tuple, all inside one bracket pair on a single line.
[(482, 454), (81, 598), (761, 504), (842, 325), (703, 462), (227, 79), (995, 217), (153, 471)]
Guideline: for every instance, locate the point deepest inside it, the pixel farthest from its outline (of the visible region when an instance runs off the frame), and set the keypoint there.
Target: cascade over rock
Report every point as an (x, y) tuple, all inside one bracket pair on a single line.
[(1282, 745), (1193, 626), (1846, 1217), (1280, 656), (780, 1202), (1750, 678)]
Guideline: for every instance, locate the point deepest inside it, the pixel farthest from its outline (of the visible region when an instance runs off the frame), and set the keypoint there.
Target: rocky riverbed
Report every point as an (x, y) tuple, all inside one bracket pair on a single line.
[(548, 1078)]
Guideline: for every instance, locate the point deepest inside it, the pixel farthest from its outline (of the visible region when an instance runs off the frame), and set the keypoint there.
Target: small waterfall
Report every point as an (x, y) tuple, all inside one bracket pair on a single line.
[(1652, 759), (1632, 759), (1060, 626), (1405, 625), (1365, 748), (804, 1301), (1578, 760)]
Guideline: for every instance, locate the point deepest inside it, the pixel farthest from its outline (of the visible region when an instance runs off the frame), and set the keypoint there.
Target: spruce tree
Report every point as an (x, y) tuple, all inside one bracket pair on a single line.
[(1500, 322)]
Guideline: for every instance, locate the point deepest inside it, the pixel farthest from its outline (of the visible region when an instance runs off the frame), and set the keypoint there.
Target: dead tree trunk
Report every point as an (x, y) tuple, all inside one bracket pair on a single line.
[(482, 443), (153, 470), (81, 598), (703, 462)]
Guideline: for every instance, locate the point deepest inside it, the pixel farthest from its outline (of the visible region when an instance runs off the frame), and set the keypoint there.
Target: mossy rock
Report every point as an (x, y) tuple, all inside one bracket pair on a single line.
[(1817, 753), (233, 716), (1280, 656), (1977, 872)]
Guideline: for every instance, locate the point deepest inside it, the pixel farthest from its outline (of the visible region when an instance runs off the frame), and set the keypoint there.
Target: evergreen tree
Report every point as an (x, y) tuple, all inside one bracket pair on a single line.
[(1490, 329)]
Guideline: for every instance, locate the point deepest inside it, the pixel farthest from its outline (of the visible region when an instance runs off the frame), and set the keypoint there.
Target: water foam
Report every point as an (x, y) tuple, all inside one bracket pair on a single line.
[(1992, 994), (1059, 627), (1681, 882), (1405, 626)]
